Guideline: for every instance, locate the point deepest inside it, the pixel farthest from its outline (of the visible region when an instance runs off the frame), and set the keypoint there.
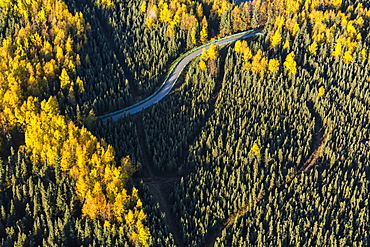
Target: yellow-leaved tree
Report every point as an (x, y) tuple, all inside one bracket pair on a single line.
[(286, 44), (290, 64), (204, 30), (212, 52), (143, 7), (321, 91), (100, 183), (259, 62), (275, 39), (237, 46), (338, 49), (255, 149), (313, 48), (202, 65), (109, 4), (273, 65), (65, 80), (35, 58), (347, 57)]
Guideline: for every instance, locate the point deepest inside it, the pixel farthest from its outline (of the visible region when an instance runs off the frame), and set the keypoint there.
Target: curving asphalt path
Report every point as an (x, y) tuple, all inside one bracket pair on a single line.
[(174, 74)]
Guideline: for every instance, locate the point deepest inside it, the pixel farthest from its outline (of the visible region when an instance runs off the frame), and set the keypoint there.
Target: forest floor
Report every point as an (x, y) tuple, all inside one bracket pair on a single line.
[(319, 140)]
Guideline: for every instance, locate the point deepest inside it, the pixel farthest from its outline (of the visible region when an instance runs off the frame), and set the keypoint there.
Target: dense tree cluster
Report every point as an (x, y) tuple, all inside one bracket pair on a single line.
[(221, 154), (40, 60), (305, 80), (43, 49), (100, 185), (306, 212), (40, 206)]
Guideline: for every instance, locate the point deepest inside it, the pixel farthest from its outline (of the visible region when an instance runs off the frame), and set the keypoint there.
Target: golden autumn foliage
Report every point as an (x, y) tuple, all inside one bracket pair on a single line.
[(279, 22), (338, 49), (273, 65), (100, 184), (204, 55), (286, 44), (242, 47), (178, 14), (212, 51), (336, 3), (172, 12), (256, 62), (313, 48), (165, 14), (255, 149), (347, 57), (143, 7), (208, 56), (64, 78), (193, 35), (292, 25), (364, 54), (202, 65), (220, 6), (204, 30), (236, 19), (237, 46), (32, 59), (321, 91), (275, 39), (259, 62), (44, 53), (290, 64), (326, 18), (109, 4)]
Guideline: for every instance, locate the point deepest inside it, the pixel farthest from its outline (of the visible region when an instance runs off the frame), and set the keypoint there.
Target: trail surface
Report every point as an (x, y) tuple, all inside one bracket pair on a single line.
[(319, 140), (155, 183), (174, 74), (155, 186)]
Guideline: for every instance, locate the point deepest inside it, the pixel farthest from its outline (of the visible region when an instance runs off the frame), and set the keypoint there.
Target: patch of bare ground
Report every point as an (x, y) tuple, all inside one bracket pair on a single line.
[(319, 140)]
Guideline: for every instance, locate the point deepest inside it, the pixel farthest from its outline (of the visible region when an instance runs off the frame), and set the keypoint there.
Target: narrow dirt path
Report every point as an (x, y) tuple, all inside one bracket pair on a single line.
[(319, 140), (158, 185), (163, 184)]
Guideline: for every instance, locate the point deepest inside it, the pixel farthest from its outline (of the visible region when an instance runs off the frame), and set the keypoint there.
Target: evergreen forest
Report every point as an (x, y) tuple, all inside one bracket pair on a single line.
[(261, 142)]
